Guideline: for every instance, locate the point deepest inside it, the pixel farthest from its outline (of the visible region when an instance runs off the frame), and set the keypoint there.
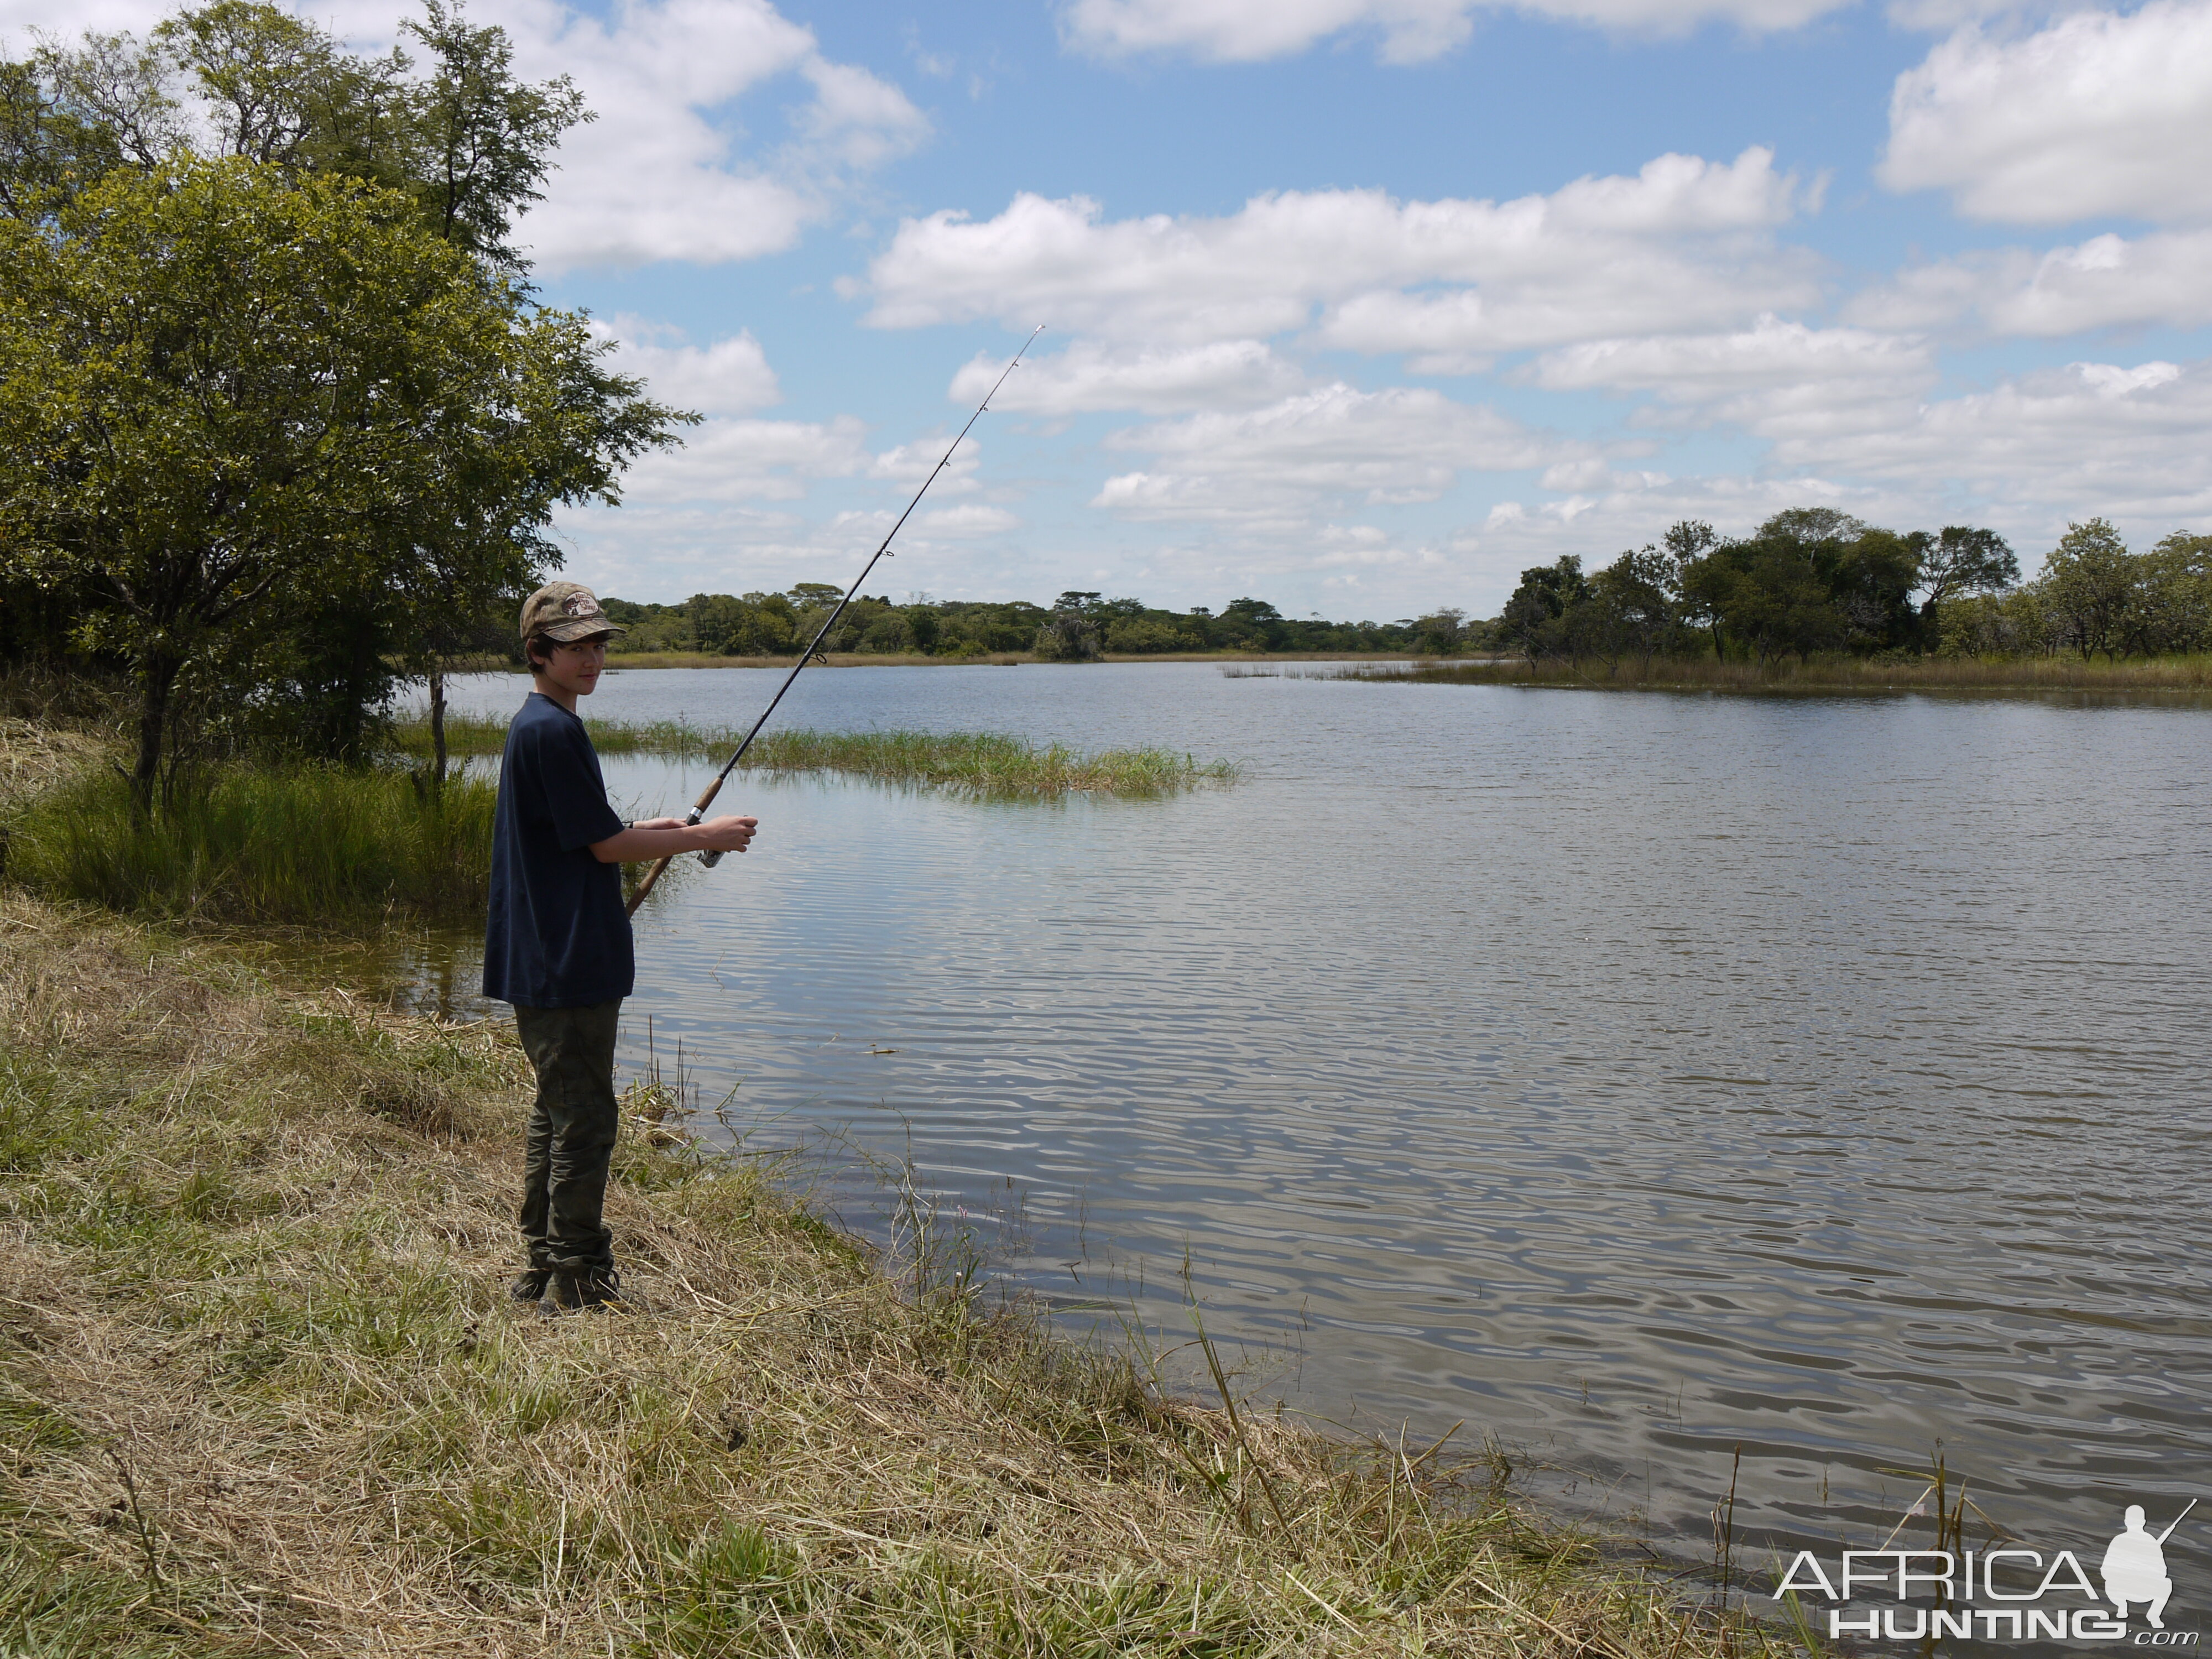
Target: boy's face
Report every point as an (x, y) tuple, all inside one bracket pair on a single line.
[(576, 666)]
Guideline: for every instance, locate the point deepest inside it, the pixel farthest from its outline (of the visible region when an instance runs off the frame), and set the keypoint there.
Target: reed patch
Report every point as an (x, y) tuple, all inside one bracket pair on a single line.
[(300, 846), (981, 764)]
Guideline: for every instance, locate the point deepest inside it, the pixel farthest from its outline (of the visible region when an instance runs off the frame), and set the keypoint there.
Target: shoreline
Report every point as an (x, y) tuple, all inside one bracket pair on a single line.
[(262, 1390), (2189, 674)]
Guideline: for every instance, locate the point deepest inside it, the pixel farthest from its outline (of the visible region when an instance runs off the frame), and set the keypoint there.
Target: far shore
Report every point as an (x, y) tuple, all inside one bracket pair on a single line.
[(619, 660), (2192, 674)]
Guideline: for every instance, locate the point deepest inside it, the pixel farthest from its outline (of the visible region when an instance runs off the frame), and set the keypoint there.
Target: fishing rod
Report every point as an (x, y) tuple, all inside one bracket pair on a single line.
[(706, 798)]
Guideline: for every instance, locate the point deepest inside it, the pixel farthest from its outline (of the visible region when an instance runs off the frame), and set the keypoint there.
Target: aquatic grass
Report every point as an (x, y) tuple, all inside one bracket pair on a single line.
[(283, 845), (263, 1393), (985, 765), (1822, 673)]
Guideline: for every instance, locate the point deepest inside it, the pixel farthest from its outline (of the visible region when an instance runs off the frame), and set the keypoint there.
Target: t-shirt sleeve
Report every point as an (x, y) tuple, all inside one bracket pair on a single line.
[(575, 797)]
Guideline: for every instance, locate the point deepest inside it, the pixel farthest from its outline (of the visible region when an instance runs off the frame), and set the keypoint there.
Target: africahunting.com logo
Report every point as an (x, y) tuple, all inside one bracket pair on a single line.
[(2007, 1593)]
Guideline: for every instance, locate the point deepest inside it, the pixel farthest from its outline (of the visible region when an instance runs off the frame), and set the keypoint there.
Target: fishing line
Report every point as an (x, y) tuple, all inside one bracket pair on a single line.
[(706, 799)]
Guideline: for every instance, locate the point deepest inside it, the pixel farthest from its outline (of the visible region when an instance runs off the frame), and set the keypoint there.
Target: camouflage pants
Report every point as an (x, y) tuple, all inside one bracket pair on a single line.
[(571, 1135)]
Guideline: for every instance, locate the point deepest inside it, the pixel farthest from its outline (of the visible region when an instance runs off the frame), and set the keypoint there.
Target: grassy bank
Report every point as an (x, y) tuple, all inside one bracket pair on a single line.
[(261, 1393), (298, 846), (2182, 674), (988, 765)]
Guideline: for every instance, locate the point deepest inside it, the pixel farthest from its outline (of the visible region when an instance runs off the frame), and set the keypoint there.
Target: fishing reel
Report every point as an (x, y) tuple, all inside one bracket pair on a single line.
[(710, 860)]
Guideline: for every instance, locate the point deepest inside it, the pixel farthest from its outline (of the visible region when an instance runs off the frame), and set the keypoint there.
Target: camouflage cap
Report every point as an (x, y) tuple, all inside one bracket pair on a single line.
[(565, 612)]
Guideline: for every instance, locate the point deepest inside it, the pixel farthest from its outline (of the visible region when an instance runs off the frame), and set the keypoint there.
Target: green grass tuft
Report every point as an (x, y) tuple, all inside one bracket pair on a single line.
[(305, 846), (985, 765)]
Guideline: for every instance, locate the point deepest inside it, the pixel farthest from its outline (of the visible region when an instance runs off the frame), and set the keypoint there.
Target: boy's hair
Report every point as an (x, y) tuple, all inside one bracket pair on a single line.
[(537, 648)]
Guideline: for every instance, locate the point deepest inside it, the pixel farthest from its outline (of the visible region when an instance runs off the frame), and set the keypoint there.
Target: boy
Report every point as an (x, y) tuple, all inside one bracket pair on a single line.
[(557, 943)]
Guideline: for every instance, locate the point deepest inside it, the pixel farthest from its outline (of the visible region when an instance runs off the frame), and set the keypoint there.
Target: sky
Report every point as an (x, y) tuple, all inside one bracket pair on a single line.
[(1361, 307)]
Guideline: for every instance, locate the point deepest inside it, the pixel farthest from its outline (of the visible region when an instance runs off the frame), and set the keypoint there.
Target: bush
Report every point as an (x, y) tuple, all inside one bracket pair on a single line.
[(300, 845), (1139, 635)]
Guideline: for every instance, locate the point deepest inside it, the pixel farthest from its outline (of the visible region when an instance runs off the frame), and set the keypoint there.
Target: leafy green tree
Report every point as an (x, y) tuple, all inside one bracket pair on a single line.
[(1635, 597), (1247, 624), (222, 392), (2173, 610), (1441, 632), (1870, 578), (2088, 587), (1535, 616), (1069, 633), (467, 142), (1686, 541), (1961, 561), (1767, 592)]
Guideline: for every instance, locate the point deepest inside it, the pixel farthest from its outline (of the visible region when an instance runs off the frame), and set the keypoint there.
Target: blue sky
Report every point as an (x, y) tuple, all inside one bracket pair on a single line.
[(1361, 306)]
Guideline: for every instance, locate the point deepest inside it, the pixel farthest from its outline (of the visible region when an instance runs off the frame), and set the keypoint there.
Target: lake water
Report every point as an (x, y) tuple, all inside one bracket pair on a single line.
[(1638, 1077)]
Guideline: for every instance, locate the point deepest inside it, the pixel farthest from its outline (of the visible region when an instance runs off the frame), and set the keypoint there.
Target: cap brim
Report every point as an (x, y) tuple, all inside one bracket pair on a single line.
[(570, 632)]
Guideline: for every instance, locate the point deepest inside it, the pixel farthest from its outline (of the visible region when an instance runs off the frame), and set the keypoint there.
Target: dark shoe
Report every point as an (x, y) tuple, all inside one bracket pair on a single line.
[(574, 1292), (530, 1286)]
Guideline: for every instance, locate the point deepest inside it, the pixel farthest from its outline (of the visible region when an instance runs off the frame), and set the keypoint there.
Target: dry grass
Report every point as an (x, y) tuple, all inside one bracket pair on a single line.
[(261, 1392), (36, 755), (1821, 674)]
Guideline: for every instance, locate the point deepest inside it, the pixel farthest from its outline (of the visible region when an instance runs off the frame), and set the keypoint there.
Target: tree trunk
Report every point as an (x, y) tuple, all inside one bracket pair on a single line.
[(438, 729), (157, 677)]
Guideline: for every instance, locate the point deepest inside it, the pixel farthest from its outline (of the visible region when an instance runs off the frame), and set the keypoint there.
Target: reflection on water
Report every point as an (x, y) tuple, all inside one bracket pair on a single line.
[(1636, 1077)]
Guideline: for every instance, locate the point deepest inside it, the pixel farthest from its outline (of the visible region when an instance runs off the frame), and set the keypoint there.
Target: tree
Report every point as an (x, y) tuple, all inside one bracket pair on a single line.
[(1870, 578), (1439, 632), (2173, 610), (1768, 591), (2088, 584), (1635, 598), (1960, 561), (1687, 541), (222, 392), (1534, 616), (467, 143)]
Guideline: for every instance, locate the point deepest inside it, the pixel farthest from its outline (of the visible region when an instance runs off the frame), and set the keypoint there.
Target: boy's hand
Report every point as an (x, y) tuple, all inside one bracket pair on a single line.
[(666, 838), (728, 834)]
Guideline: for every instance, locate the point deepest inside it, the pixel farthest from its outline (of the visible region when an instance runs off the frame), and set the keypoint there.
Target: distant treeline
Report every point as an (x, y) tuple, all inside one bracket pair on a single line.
[(1077, 626), (1813, 580), (1808, 581)]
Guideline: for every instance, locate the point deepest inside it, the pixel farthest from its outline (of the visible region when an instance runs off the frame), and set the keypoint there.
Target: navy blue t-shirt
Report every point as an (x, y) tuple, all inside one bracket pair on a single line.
[(556, 937)]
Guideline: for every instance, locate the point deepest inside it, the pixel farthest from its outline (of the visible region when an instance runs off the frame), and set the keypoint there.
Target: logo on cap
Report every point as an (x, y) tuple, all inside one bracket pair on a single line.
[(581, 605)]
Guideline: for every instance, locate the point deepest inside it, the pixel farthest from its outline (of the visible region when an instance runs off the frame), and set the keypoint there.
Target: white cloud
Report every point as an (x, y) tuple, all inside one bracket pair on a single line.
[(1228, 373), (2086, 439), (2107, 281), (661, 173), (1278, 464), (2101, 113), (860, 120), (665, 172), (730, 377), (1684, 242), (730, 460), (1753, 377), (1412, 31), (969, 518)]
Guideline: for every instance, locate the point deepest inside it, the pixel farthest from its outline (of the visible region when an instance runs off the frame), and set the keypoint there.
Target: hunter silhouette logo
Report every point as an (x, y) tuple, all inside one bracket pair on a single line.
[(1985, 1594), (2135, 1566)]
